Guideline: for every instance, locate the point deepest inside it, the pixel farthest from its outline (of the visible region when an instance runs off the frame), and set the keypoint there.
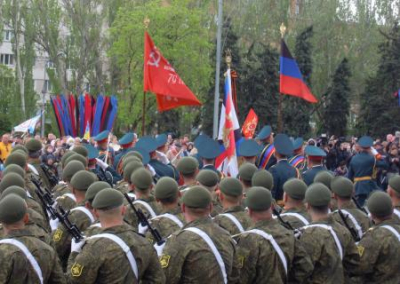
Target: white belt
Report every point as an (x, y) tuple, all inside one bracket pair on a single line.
[(29, 256), (213, 248), (124, 247), (298, 216), (86, 211), (335, 237), (234, 220), (171, 217), (147, 206), (390, 228)]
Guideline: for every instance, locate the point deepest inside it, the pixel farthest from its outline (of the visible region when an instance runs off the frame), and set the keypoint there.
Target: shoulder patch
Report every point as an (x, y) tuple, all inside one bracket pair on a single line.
[(360, 250), (76, 270), (57, 235), (164, 260)]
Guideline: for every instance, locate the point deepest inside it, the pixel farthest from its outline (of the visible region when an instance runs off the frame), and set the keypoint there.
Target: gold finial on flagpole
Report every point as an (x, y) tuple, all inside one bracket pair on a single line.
[(228, 57), (146, 22), (283, 30)]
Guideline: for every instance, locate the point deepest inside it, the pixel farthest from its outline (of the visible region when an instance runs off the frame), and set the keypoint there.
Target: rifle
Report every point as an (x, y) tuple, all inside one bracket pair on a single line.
[(286, 224), (71, 228), (352, 231), (50, 176), (358, 205), (144, 222)]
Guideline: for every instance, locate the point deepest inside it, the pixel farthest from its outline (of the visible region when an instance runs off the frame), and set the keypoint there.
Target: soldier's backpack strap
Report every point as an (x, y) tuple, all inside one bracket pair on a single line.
[(397, 212), (234, 220), (390, 228), (86, 211), (335, 237), (354, 221), (213, 248), (298, 216), (123, 246), (147, 206), (274, 244), (27, 253), (170, 217)]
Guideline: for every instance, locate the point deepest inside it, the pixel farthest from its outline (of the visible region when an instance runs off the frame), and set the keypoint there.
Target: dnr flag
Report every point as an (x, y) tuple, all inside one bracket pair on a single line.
[(291, 79)]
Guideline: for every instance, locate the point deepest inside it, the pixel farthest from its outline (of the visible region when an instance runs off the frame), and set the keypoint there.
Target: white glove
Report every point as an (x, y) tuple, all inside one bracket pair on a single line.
[(77, 246), (102, 164), (159, 248), (142, 229), (54, 224)]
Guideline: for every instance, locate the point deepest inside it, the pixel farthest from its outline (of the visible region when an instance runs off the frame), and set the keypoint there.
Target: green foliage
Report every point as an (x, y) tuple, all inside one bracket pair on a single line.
[(7, 101), (337, 101)]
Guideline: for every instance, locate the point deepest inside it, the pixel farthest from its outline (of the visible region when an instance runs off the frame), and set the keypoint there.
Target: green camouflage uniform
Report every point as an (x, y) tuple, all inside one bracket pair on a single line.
[(187, 258), (164, 225), (255, 252), (294, 221), (361, 218), (226, 223), (60, 189), (102, 261), (41, 216), (66, 202), (15, 267), (130, 216), (45, 181), (379, 250), (217, 207), (122, 186), (396, 217)]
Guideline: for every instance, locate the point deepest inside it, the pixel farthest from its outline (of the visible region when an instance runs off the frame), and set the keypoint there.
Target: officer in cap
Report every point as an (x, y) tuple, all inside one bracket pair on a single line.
[(210, 180), (162, 149), (233, 218), (266, 158), (19, 248), (315, 156), (361, 170), (100, 259), (209, 150), (188, 167), (180, 259), (250, 150), (105, 150), (380, 246), (127, 142), (394, 192), (298, 160), (267, 249), (282, 170), (197, 144)]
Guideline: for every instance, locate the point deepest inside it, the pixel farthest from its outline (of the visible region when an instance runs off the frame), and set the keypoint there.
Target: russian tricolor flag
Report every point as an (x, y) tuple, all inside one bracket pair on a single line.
[(291, 79)]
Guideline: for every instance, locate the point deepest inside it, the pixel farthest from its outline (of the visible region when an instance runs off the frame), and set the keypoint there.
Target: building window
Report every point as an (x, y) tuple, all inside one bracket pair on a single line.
[(7, 35), (49, 64), (47, 86), (7, 59)]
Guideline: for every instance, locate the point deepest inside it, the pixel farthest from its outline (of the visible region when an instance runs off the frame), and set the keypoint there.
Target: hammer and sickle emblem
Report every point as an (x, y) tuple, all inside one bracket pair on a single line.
[(154, 58)]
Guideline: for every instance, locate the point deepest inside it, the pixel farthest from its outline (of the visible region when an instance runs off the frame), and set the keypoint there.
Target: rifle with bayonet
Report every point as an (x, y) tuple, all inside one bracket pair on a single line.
[(144, 222), (352, 230)]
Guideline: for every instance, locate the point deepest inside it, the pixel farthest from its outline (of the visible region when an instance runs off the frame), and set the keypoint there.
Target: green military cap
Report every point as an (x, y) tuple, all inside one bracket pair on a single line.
[(65, 157), (324, 177), (108, 198), (14, 169), (82, 180), (207, 178), (188, 165), (76, 157), (16, 158), (12, 209), (258, 198), (165, 188), (342, 187), (394, 183), (19, 147), (95, 188), (246, 171), (231, 186), (379, 204), (11, 179), (134, 154), (126, 161), (197, 197), (318, 194), (81, 150), (295, 188), (130, 168), (33, 145), (263, 178), (72, 168), (15, 190), (142, 179)]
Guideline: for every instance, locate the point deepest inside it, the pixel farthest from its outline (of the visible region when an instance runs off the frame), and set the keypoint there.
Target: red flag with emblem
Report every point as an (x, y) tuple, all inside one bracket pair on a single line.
[(160, 78), (250, 124)]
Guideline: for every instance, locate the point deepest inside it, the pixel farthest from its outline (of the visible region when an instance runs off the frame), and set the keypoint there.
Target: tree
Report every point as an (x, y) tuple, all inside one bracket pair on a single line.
[(8, 104), (337, 101), (380, 113)]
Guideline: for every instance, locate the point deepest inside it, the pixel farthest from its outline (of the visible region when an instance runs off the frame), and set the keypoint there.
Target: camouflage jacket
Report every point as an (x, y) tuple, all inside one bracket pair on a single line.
[(103, 261), (239, 213), (256, 253), (122, 186), (294, 221), (165, 225), (130, 216), (36, 164), (60, 189), (379, 250), (15, 267), (361, 218), (40, 217), (187, 258), (66, 202)]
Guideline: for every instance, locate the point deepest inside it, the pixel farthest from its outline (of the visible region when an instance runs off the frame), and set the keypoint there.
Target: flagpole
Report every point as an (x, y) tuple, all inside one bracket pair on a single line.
[(217, 69), (280, 120), (146, 23)]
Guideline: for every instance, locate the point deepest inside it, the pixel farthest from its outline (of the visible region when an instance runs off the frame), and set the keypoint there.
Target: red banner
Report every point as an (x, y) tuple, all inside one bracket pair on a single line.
[(250, 125)]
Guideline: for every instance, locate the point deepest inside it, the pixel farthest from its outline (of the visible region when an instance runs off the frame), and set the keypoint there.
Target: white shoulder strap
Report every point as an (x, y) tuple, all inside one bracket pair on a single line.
[(86, 211), (355, 223), (397, 212), (98, 225), (29, 256), (234, 220), (33, 169), (298, 216), (274, 244), (132, 195), (390, 228), (70, 195), (213, 248), (147, 206), (171, 217), (124, 247), (335, 237)]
